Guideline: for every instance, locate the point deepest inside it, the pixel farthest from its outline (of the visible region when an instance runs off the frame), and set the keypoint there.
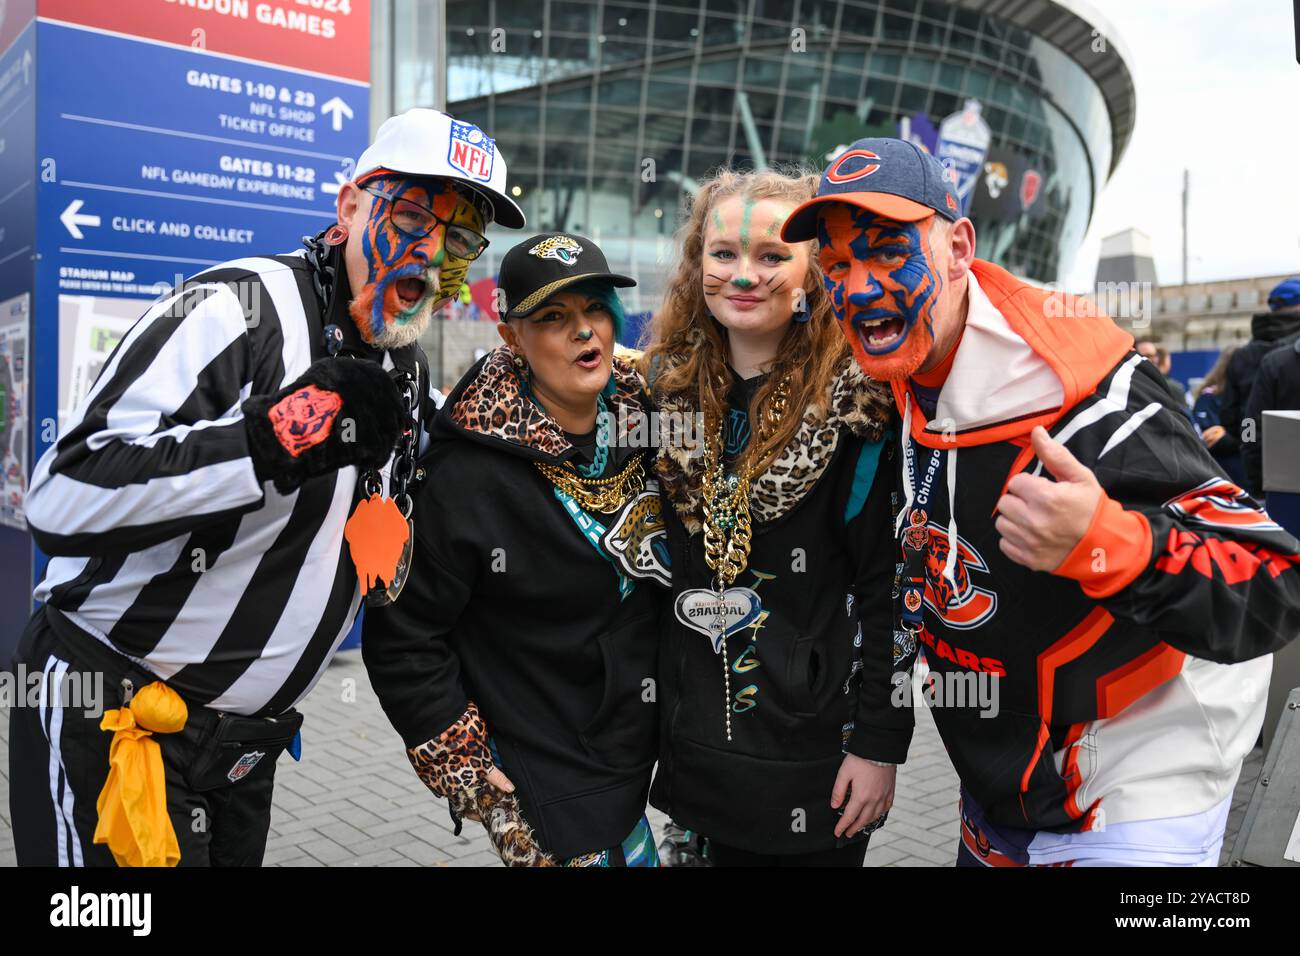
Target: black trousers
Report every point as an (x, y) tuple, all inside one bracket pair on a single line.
[(850, 855), (58, 762)]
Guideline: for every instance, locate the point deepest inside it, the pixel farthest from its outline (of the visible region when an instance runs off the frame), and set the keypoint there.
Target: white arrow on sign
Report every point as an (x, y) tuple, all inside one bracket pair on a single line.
[(72, 219), (340, 110), (27, 66), (334, 187)]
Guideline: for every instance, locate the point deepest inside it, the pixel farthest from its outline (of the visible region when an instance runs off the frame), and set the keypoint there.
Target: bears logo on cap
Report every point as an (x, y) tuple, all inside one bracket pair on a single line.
[(836, 174), (471, 150)]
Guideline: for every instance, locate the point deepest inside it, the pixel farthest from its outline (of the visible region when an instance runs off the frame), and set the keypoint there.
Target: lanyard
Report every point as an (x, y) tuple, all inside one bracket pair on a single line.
[(916, 536)]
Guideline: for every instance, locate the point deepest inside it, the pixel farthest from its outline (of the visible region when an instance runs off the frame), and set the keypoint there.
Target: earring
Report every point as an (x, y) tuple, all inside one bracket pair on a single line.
[(336, 234), (802, 315)]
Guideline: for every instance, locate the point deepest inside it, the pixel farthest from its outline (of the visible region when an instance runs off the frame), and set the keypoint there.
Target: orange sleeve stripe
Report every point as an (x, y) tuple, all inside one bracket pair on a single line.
[(1121, 539)]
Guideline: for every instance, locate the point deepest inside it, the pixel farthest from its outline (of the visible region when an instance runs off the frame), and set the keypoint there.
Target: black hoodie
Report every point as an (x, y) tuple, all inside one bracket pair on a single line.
[(1268, 330), (546, 619), (822, 563)]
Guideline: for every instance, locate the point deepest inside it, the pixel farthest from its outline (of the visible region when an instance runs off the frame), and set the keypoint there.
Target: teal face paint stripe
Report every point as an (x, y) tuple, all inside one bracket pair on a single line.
[(864, 474), (744, 225)]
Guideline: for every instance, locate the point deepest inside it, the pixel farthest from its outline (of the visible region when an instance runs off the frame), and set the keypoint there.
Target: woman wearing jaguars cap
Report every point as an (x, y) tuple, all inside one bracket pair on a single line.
[(521, 659), (779, 531)]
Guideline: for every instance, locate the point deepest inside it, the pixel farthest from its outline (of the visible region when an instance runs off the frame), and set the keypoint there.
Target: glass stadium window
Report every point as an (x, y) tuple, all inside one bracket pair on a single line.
[(888, 65), (762, 72), (897, 27), (722, 30), (962, 41), (771, 20), (718, 71), (913, 99), (620, 92), (881, 92), (801, 72), (842, 85), (966, 19), (977, 83), (950, 75), (791, 142), (516, 16), (628, 21), (519, 115), (1001, 92), (918, 70), (665, 95), (859, 20), (567, 124), (712, 100), (944, 104), (673, 31)]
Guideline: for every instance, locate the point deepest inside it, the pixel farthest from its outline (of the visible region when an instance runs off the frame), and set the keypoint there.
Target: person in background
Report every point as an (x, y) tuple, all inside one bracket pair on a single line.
[(1277, 387), (1159, 356), (1268, 330), (1206, 416)]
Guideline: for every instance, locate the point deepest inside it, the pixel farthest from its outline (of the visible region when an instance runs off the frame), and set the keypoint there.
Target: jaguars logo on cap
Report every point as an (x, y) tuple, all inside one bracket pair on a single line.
[(560, 248)]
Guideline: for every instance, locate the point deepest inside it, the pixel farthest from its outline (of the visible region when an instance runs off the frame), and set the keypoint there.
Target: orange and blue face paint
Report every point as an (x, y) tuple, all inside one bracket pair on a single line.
[(419, 268), (884, 282)]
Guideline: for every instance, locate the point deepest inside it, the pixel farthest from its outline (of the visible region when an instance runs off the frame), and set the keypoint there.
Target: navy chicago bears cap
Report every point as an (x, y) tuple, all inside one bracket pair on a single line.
[(890, 177)]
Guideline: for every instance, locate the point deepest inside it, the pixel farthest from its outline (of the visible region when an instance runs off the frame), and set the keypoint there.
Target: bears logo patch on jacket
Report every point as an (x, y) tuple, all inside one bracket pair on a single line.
[(965, 605)]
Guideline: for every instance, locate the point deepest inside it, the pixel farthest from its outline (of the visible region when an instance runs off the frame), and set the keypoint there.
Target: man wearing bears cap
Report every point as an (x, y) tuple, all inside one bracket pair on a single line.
[(1065, 538)]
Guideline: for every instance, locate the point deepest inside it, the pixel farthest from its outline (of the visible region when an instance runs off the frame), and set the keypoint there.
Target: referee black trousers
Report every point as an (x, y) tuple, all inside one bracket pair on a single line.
[(58, 762)]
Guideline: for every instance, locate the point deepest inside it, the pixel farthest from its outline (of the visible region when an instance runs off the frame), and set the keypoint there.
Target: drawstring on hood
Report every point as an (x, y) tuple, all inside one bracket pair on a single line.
[(908, 496)]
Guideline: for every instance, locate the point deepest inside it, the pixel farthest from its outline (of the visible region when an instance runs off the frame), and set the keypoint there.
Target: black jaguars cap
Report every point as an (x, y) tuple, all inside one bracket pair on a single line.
[(539, 267)]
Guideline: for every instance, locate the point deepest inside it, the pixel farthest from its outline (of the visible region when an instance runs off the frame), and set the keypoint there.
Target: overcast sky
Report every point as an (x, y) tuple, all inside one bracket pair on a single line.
[(1218, 93)]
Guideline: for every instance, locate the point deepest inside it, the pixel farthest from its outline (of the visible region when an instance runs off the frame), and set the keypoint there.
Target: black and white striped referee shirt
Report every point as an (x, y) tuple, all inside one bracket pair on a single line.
[(164, 543)]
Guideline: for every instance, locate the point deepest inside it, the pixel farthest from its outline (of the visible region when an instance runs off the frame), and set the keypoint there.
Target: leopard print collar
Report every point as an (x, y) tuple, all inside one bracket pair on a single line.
[(856, 403), (493, 405)]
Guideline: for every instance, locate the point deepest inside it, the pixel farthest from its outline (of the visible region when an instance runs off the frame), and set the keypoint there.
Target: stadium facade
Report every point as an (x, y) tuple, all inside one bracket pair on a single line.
[(609, 112)]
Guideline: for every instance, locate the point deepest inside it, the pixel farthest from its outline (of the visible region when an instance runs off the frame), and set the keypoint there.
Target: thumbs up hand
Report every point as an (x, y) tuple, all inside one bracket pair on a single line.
[(1041, 521)]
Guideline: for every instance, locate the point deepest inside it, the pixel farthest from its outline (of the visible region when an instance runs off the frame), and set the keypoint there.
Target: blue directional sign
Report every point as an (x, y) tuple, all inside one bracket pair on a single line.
[(139, 144), (163, 160)]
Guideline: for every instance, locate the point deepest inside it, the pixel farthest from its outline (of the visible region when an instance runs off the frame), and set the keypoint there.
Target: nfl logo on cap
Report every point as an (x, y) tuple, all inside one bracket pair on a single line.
[(470, 150)]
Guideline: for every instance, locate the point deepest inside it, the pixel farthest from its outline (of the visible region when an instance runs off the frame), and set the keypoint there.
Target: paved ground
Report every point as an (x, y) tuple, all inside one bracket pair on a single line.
[(354, 800)]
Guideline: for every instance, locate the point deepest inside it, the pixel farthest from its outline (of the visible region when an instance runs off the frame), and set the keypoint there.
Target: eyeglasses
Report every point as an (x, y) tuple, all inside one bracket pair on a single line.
[(418, 221)]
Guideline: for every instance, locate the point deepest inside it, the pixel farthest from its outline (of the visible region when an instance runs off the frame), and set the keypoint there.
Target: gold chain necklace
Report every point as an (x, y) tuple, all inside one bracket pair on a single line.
[(598, 494), (727, 529)]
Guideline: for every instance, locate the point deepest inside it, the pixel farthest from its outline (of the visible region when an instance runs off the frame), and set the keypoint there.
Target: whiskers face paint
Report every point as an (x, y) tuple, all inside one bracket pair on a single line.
[(884, 283), (749, 273)]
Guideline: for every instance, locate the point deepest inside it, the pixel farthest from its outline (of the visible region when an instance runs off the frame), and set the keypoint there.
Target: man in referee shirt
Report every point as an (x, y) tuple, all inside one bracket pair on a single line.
[(196, 507)]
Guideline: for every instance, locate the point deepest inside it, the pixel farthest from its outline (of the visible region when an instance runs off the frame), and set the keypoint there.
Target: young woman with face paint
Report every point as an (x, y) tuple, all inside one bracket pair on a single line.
[(780, 605), (519, 655)]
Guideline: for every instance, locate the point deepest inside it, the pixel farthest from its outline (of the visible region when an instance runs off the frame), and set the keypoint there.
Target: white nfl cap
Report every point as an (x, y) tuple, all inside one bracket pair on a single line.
[(425, 142)]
